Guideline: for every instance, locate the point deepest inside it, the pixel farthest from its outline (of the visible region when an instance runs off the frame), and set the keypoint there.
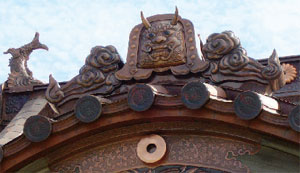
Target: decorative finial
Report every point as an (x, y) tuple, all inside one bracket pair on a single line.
[(20, 75)]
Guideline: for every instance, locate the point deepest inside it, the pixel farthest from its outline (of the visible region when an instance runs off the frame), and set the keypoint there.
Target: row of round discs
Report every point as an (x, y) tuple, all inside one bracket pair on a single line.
[(194, 95), (38, 128)]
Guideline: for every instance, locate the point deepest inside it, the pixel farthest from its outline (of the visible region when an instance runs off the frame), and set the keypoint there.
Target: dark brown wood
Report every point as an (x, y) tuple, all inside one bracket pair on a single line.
[(194, 95), (1, 154), (247, 105), (272, 124), (88, 109), (140, 97), (294, 118), (130, 117), (207, 151), (37, 128), (174, 169)]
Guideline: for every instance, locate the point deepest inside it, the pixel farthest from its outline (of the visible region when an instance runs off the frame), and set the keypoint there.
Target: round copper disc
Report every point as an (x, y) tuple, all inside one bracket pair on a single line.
[(247, 105), (88, 109), (194, 95), (140, 97), (37, 128), (151, 149), (294, 118)]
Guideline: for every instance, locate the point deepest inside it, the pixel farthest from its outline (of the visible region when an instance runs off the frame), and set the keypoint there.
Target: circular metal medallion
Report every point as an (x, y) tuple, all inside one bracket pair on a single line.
[(88, 109), (194, 95), (247, 105), (294, 118), (140, 97), (151, 149), (37, 128)]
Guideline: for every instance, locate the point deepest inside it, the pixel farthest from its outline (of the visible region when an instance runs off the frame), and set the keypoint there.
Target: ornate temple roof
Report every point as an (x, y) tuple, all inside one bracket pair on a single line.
[(165, 77)]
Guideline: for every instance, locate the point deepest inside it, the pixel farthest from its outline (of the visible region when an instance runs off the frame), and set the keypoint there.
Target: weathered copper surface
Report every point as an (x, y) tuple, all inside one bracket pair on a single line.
[(194, 95), (247, 105), (140, 97), (294, 118), (88, 109), (37, 128), (20, 75)]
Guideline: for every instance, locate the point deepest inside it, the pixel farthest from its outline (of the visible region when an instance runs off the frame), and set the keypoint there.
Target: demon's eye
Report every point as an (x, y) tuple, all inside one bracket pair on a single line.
[(166, 32), (151, 35)]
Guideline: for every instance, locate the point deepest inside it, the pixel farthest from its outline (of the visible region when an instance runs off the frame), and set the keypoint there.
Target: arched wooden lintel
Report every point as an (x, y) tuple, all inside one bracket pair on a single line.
[(61, 135)]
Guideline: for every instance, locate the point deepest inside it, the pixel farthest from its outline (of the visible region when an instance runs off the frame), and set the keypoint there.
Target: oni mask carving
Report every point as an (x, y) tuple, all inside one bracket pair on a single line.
[(161, 45)]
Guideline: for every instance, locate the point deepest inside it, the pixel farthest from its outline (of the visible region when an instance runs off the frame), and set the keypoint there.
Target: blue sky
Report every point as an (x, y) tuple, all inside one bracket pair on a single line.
[(71, 28)]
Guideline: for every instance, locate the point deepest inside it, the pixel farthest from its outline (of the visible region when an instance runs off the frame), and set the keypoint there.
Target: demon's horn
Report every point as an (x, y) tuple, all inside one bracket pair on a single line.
[(145, 21), (175, 19)]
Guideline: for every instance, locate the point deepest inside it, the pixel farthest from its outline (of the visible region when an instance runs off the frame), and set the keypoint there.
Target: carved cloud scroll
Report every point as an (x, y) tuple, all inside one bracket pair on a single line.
[(98, 74), (229, 62)]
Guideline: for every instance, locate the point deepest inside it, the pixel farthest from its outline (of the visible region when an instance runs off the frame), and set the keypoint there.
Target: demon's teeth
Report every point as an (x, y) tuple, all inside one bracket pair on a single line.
[(157, 54)]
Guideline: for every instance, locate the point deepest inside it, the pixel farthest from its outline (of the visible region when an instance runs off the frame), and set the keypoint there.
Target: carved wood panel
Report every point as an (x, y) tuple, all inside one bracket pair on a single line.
[(174, 169), (201, 151)]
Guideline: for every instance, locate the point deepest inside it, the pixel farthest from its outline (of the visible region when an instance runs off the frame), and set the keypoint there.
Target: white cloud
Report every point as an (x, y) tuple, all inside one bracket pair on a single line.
[(72, 28)]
